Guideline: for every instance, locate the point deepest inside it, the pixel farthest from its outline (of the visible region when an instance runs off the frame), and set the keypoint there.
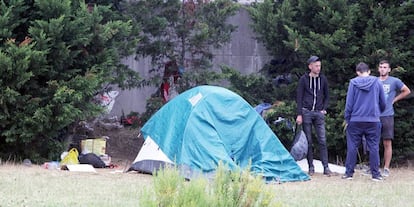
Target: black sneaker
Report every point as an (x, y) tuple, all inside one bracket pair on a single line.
[(347, 177), (377, 179), (311, 171), (327, 172)]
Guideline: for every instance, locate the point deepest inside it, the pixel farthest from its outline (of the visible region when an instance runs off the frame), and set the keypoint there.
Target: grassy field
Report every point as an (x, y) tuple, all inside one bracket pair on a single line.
[(34, 186)]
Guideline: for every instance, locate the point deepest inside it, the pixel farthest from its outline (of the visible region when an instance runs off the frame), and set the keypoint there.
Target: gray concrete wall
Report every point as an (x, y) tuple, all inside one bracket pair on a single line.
[(136, 99), (243, 53)]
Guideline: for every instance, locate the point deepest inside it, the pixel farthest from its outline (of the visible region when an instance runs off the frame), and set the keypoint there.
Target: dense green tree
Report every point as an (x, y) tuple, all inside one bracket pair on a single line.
[(342, 33), (178, 36), (388, 34), (55, 57)]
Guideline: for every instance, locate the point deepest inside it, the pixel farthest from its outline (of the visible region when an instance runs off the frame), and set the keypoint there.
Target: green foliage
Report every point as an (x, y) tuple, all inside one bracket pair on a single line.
[(182, 33), (153, 104), (55, 56), (283, 129), (342, 33), (255, 89), (237, 188), (179, 37), (403, 144)]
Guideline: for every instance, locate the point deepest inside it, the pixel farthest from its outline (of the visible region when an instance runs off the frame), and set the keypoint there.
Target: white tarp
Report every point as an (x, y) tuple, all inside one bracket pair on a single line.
[(319, 168)]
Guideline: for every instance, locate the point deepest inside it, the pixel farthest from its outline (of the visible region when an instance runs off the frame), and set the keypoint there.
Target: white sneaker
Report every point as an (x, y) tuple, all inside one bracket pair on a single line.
[(386, 172), (366, 172), (347, 177)]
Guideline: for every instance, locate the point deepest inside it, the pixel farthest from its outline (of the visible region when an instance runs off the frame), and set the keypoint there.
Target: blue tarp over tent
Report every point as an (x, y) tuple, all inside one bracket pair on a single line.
[(208, 124)]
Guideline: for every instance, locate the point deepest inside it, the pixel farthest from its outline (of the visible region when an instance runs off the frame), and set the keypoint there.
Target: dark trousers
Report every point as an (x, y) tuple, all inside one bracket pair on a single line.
[(354, 133), (316, 119)]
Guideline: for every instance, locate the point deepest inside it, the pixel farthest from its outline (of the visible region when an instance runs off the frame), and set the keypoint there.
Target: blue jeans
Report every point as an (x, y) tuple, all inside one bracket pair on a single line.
[(316, 119), (354, 133)]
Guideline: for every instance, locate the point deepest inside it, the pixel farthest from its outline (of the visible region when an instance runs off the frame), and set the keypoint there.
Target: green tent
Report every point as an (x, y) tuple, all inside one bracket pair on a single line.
[(207, 125)]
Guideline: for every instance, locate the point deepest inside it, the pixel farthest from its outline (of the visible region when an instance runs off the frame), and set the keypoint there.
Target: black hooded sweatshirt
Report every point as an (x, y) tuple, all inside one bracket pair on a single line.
[(312, 93)]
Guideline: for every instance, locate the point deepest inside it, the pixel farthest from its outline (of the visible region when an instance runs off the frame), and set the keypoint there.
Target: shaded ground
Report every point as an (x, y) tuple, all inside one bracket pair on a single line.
[(123, 144)]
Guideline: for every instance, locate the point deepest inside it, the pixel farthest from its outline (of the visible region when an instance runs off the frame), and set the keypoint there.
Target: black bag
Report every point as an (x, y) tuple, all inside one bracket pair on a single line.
[(299, 148), (91, 159)]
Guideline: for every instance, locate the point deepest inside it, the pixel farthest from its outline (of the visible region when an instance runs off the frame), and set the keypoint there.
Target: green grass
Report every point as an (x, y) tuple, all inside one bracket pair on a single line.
[(35, 186), (396, 190)]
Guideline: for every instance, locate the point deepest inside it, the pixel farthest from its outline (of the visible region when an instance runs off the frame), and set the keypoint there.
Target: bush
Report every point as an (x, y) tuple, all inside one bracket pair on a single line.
[(235, 188)]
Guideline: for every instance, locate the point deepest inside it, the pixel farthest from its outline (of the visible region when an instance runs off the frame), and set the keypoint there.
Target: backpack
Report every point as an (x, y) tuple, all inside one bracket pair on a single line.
[(92, 159)]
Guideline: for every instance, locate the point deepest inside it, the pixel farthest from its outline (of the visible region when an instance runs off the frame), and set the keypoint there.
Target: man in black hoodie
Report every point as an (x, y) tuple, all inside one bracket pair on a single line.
[(312, 102)]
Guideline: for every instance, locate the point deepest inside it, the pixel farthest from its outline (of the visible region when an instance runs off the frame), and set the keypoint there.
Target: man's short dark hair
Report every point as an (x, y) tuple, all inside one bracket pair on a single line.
[(362, 67), (384, 62), (313, 59)]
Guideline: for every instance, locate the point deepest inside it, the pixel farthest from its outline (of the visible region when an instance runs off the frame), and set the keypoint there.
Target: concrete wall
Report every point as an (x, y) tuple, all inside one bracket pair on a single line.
[(243, 53), (134, 100)]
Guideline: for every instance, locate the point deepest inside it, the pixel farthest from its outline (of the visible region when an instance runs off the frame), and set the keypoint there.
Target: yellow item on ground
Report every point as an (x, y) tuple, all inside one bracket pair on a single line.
[(71, 158)]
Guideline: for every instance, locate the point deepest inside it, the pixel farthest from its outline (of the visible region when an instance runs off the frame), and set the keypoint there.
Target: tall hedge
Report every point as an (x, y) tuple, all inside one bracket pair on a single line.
[(55, 56), (342, 33)]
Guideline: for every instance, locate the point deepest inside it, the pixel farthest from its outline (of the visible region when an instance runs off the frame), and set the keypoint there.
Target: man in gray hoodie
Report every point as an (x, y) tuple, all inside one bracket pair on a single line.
[(365, 100)]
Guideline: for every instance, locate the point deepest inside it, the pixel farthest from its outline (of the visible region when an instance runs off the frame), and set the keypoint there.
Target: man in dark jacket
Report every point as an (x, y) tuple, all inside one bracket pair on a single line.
[(312, 102), (365, 100)]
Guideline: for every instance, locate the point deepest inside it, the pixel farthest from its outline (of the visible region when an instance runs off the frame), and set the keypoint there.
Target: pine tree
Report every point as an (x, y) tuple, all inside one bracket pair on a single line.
[(179, 35), (342, 33), (55, 56), (388, 34)]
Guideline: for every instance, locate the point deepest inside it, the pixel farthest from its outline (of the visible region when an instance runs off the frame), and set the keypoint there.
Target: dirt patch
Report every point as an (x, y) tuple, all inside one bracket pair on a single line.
[(123, 144)]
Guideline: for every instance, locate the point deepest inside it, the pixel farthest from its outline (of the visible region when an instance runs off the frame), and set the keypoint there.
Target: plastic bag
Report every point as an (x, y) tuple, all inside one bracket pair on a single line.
[(92, 159), (71, 158), (299, 148)]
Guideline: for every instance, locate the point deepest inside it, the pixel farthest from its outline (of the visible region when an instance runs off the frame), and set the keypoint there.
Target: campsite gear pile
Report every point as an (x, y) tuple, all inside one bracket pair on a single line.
[(93, 153), (93, 150), (207, 125)]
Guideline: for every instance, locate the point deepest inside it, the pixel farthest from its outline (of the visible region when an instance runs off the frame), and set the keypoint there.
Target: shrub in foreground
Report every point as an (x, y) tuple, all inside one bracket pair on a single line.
[(226, 189)]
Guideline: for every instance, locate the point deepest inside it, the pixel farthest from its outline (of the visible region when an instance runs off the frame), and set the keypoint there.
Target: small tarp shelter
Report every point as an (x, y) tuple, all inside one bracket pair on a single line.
[(208, 124)]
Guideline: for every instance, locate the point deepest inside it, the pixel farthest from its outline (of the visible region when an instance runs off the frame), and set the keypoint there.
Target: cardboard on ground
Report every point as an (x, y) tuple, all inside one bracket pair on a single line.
[(81, 168)]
